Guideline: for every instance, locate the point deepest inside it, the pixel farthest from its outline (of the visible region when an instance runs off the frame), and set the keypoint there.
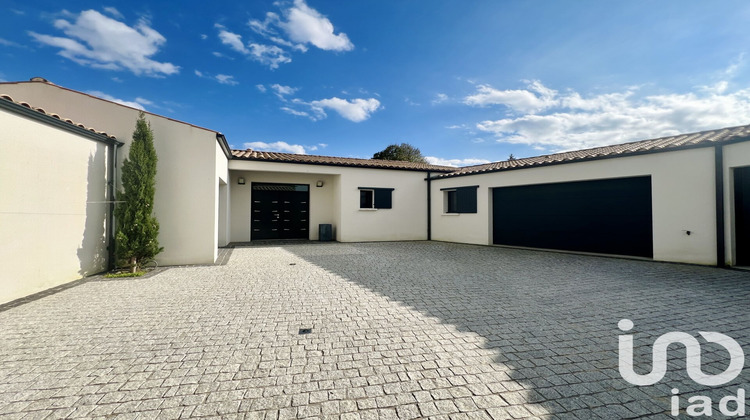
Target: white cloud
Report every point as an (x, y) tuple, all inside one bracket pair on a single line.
[(269, 55), (6, 43), (542, 117), (137, 103), (114, 12), (455, 162), (300, 26), (99, 41), (535, 98), (226, 79), (296, 112), (306, 25), (355, 110), (439, 98), (266, 28), (261, 88), (233, 40), (143, 101), (279, 146), (282, 91), (735, 66)]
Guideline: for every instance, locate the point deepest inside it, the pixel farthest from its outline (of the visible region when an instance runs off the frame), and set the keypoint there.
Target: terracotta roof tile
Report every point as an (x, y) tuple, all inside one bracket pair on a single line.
[(42, 111), (703, 138), (257, 155)]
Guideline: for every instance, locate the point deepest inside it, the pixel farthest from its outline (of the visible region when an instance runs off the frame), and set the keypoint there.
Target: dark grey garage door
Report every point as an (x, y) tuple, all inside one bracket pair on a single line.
[(280, 211), (610, 216), (742, 215)]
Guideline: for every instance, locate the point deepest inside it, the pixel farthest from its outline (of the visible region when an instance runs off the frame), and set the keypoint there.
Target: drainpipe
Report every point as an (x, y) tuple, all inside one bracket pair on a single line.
[(719, 168), (429, 205), (111, 188)]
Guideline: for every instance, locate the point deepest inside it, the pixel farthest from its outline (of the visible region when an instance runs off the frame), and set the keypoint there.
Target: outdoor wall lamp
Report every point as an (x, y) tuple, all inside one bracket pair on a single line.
[(241, 180), (319, 184)]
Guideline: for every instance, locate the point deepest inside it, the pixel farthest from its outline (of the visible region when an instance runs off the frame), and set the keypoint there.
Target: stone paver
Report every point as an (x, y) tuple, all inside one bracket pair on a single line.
[(399, 330)]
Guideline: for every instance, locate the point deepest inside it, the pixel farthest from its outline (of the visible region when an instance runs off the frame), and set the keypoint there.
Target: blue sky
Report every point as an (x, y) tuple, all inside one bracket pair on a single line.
[(465, 81)]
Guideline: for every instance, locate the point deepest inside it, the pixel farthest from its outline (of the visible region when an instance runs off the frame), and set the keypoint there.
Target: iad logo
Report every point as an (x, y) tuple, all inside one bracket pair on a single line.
[(702, 406)]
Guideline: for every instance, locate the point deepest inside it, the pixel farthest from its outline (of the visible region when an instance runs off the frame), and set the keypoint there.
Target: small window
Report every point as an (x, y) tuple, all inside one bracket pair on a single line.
[(366, 199), (451, 201), (460, 200), (375, 198)]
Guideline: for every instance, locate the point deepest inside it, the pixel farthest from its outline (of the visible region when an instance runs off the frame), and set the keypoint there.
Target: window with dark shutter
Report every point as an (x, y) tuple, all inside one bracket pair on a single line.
[(381, 198), (461, 199)]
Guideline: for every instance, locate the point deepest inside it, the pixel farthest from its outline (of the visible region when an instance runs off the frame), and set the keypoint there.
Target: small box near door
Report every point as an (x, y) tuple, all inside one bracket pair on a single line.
[(325, 232)]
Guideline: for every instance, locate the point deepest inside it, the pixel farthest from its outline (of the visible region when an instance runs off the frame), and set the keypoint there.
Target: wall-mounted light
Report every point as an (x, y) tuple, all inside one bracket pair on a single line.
[(319, 184), (241, 181)]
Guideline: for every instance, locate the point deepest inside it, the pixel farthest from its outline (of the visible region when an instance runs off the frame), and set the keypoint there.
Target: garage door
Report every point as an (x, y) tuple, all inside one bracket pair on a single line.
[(280, 211), (610, 216), (742, 215)]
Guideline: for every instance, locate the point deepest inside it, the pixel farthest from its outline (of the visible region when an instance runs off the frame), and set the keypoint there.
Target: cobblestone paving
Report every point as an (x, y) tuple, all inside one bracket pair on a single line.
[(399, 330)]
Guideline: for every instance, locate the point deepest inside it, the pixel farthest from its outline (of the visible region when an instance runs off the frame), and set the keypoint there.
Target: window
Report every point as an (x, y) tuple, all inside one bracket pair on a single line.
[(375, 198), (451, 198), (460, 199), (366, 199)]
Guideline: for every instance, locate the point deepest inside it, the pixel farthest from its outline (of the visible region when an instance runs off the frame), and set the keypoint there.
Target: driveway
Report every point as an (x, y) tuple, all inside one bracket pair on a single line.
[(398, 330)]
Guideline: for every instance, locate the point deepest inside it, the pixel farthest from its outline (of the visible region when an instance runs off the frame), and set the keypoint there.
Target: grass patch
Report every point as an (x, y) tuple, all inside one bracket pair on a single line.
[(121, 275)]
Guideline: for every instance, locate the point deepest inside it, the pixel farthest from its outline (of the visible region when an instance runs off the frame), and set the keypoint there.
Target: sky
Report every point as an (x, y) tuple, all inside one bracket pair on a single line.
[(467, 82)]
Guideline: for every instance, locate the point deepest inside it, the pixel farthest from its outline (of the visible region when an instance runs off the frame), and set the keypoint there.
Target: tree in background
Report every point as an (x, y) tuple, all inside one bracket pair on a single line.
[(403, 151), (137, 229)]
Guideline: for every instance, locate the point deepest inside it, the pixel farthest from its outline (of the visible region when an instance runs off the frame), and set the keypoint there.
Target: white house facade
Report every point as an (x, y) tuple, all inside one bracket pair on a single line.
[(680, 199)]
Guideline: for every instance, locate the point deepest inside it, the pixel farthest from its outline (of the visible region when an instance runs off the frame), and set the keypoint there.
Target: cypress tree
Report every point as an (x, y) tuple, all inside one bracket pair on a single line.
[(137, 228)]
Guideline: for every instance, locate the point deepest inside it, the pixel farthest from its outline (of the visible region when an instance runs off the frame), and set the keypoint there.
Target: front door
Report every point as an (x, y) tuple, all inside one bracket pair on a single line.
[(280, 211)]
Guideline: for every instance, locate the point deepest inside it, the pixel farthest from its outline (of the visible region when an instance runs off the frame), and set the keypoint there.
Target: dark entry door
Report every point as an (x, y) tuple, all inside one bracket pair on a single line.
[(742, 215), (280, 211), (609, 216)]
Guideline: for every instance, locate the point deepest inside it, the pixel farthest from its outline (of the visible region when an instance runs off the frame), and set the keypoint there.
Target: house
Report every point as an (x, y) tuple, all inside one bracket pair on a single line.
[(684, 198)]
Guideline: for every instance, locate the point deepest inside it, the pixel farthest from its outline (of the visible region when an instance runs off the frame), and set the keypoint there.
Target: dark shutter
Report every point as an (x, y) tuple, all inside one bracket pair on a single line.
[(466, 200), (383, 198)]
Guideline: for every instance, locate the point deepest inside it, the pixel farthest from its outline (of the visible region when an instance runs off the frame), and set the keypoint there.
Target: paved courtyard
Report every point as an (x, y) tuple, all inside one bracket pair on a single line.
[(399, 330)]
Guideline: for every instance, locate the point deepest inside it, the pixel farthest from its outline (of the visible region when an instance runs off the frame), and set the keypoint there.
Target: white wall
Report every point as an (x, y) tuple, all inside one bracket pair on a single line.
[(682, 199), (338, 201), (186, 180), (321, 200), (735, 156), (221, 236), (52, 208), (405, 221)]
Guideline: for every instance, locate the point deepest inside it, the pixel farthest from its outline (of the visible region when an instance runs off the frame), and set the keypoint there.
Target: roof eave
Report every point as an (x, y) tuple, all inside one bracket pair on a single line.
[(595, 158), (341, 164), (59, 123)]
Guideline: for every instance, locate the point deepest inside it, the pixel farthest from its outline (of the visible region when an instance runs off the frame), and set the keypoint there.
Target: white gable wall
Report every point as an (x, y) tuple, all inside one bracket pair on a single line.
[(187, 173), (52, 211)]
